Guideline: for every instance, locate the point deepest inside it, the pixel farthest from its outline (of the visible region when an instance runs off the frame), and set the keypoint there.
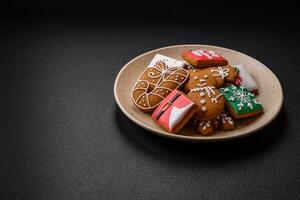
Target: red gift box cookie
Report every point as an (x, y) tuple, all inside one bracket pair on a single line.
[(204, 58), (174, 111)]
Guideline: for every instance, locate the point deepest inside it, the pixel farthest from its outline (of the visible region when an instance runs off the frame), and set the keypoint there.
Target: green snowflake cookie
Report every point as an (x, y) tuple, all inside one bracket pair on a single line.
[(241, 100)]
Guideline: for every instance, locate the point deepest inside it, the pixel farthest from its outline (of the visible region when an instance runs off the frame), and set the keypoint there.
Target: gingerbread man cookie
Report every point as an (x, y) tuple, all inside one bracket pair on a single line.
[(159, 79), (202, 89)]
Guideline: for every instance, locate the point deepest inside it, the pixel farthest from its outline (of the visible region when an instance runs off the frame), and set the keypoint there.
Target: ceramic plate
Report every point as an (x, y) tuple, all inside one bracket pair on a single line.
[(270, 93)]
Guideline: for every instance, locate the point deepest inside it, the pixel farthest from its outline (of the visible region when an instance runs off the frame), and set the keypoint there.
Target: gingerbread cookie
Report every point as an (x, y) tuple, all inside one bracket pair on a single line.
[(204, 58), (159, 79), (174, 111), (245, 79), (226, 122), (209, 100), (225, 74), (199, 78), (213, 76), (205, 128), (201, 89), (241, 103), (222, 122)]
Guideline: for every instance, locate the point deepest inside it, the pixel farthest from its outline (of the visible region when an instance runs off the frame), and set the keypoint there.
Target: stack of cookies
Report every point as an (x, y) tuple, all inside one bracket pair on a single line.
[(205, 92)]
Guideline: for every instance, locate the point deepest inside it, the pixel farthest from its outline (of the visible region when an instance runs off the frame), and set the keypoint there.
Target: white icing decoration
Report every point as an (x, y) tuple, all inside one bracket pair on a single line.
[(215, 99), (202, 82), (204, 124), (242, 96), (164, 67), (196, 77), (226, 119), (222, 72), (247, 79), (202, 101), (177, 114), (202, 94), (206, 76), (208, 54), (209, 90), (204, 109)]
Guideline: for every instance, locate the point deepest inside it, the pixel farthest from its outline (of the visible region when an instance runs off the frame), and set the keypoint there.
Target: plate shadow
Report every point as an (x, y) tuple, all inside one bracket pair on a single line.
[(226, 151)]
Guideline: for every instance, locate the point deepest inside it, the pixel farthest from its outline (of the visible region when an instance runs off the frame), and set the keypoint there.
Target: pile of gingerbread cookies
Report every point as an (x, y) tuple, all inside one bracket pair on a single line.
[(204, 92)]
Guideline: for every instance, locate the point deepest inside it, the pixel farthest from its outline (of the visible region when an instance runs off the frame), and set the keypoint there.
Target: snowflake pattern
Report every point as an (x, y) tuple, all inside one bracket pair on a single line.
[(222, 72), (243, 97)]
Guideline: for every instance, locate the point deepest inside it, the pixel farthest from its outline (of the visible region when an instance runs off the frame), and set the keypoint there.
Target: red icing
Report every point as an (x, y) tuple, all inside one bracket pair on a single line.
[(164, 119), (204, 55), (238, 81)]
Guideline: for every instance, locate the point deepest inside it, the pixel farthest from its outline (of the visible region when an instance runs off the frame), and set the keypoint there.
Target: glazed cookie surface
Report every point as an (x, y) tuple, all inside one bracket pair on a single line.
[(174, 111), (245, 79), (204, 58), (160, 78), (241, 103)]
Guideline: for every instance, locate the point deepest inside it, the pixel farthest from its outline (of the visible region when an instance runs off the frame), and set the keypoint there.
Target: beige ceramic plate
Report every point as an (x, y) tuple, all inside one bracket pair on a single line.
[(270, 93)]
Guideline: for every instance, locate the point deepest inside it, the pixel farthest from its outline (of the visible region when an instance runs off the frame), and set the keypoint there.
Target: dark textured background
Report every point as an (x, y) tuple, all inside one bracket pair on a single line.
[(62, 135)]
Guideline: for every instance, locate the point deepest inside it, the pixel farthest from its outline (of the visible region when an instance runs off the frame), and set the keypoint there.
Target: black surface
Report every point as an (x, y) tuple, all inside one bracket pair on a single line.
[(62, 135)]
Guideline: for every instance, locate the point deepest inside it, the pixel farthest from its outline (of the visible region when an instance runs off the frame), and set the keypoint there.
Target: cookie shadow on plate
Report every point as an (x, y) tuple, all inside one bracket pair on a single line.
[(227, 151)]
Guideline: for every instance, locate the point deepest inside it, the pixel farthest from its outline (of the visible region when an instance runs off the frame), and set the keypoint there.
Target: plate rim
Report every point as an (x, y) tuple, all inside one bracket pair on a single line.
[(194, 138)]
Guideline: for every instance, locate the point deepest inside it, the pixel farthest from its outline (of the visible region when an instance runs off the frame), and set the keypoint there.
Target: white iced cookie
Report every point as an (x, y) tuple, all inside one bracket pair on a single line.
[(246, 80)]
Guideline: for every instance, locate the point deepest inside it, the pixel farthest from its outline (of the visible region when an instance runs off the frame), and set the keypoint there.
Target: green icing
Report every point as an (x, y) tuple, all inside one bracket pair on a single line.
[(240, 99), (237, 70)]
